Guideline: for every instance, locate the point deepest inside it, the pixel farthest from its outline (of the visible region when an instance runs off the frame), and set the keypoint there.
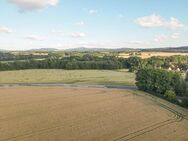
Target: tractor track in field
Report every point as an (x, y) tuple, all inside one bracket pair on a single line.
[(177, 116), (147, 129)]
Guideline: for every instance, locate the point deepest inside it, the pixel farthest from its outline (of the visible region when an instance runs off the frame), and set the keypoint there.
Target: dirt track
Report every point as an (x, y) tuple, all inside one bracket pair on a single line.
[(91, 114), (70, 85)]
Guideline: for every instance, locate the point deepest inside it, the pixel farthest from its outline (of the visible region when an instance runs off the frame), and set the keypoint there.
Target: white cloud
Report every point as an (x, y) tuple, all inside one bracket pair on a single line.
[(158, 21), (93, 11), (175, 23), (175, 36), (160, 38), (73, 34), (35, 38), (163, 37), (28, 5), (77, 35), (57, 31), (5, 29), (135, 42), (80, 23)]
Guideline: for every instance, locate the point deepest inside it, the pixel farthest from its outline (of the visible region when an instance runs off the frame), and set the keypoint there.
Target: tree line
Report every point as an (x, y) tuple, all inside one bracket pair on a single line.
[(177, 62), (6, 56), (166, 84), (89, 61), (69, 63)]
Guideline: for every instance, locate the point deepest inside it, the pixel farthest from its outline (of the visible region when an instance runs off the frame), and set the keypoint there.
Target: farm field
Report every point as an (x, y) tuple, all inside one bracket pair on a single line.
[(110, 77), (97, 114), (145, 55)]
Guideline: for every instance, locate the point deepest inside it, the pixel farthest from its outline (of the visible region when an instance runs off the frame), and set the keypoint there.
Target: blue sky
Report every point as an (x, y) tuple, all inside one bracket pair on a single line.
[(26, 24)]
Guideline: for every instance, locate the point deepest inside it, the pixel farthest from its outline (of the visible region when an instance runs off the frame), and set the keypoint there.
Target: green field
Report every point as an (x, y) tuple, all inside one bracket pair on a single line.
[(110, 77)]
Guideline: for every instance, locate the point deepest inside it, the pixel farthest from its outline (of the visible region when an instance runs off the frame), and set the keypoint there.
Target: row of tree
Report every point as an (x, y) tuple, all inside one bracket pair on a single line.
[(173, 63), (89, 61), (70, 63), (12, 57), (167, 84)]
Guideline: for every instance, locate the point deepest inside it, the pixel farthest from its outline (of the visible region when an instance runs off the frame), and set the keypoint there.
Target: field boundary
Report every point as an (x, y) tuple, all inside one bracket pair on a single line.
[(70, 85)]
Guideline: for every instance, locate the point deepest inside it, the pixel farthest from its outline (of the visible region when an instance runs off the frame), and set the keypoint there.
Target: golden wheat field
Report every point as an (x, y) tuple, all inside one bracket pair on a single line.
[(85, 114), (145, 55)]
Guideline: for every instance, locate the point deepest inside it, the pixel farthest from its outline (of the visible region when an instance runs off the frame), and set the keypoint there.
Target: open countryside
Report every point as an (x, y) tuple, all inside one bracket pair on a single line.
[(56, 113), (93, 70)]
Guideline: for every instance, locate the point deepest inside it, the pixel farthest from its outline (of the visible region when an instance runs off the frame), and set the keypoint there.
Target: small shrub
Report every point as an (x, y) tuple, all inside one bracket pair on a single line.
[(186, 77), (170, 95), (185, 101)]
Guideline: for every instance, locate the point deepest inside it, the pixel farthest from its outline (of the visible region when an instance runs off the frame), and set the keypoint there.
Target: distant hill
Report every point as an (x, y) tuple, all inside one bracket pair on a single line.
[(169, 49), (166, 49), (44, 49), (3, 50), (84, 49)]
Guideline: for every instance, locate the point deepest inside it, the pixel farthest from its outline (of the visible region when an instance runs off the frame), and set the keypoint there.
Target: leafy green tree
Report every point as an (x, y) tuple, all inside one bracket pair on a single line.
[(134, 63), (185, 101), (155, 62), (71, 66), (156, 80), (186, 76)]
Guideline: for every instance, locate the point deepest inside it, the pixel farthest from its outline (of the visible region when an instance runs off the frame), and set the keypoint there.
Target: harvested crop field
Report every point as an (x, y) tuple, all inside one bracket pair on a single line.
[(85, 114), (145, 55)]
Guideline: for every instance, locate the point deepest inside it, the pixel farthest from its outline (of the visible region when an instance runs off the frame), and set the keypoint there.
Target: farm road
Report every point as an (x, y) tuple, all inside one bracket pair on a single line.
[(70, 85)]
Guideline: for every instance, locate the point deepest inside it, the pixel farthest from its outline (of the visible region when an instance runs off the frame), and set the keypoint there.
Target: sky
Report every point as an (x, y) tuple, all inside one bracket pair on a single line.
[(63, 24)]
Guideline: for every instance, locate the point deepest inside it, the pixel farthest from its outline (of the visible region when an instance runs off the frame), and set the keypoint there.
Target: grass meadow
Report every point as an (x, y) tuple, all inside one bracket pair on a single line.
[(108, 77)]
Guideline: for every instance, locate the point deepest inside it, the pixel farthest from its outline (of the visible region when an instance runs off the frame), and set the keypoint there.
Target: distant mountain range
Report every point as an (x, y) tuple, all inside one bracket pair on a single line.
[(84, 49), (167, 49), (44, 49), (2, 50)]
